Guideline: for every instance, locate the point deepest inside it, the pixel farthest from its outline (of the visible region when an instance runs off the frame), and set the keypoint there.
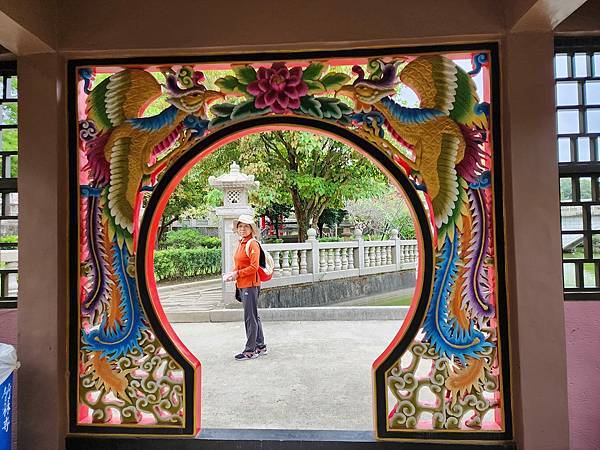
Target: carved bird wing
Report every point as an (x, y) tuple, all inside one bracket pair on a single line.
[(124, 95), (450, 202), (441, 84), (125, 177)]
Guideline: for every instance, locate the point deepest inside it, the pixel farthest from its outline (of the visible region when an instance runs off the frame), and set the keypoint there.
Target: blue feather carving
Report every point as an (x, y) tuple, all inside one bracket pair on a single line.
[(114, 343), (410, 115), (444, 336), (166, 117)]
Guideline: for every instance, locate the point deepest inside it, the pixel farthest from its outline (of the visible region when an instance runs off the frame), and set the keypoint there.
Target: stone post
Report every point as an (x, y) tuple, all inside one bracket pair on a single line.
[(314, 260), (235, 186), (397, 248), (361, 249)]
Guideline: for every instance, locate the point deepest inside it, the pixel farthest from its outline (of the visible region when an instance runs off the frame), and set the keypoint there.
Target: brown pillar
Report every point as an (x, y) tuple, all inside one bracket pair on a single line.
[(534, 268), (42, 253)]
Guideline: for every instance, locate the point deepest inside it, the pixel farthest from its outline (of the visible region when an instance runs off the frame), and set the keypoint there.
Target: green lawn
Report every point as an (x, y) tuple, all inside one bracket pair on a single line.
[(402, 300), (589, 275)]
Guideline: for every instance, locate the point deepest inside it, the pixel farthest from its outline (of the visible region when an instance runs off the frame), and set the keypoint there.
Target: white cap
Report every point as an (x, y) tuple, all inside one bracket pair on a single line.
[(247, 219)]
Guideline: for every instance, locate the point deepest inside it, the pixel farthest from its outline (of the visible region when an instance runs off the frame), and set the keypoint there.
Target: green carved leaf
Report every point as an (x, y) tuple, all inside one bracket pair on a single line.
[(245, 74), (344, 120), (345, 108), (311, 106), (217, 121), (334, 80), (330, 107), (244, 109), (222, 109), (313, 71), (228, 84), (314, 87)]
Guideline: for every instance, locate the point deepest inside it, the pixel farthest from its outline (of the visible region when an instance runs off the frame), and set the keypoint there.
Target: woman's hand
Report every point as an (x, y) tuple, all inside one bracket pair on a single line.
[(230, 276)]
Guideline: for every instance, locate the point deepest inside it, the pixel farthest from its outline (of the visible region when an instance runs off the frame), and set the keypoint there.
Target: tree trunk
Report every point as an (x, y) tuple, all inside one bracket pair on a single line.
[(301, 216), (162, 228), (302, 227)]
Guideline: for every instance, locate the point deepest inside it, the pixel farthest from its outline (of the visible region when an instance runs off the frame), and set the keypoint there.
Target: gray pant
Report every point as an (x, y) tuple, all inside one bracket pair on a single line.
[(254, 332)]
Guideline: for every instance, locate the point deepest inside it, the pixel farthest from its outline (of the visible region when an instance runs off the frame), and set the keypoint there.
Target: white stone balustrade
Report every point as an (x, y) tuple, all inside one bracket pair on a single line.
[(310, 261)]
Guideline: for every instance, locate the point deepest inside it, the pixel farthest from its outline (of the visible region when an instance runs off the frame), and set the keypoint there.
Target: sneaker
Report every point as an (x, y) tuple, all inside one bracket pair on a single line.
[(260, 351), (245, 356)]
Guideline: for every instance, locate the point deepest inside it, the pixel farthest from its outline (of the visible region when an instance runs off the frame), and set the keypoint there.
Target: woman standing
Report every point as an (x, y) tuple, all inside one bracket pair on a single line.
[(247, 280)]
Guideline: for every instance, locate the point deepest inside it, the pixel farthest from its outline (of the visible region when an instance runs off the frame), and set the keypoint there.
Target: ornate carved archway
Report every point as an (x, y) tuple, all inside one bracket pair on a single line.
[(129, 372)]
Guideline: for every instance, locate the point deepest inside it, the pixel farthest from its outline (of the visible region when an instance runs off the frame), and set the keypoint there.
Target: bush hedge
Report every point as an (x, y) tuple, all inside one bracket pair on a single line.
[(330, 239), (172, 264), (189, 238), (9, 239)]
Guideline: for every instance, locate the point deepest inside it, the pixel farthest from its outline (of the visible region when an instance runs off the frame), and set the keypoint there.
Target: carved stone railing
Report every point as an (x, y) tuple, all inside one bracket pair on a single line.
[(312, 260)]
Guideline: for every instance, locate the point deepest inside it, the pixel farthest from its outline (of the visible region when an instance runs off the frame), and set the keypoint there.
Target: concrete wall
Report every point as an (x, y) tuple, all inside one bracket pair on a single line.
[(533, 245), (334, 291), (198, 27), (28, 26), (582, 322), (584, 21), (43, 213)]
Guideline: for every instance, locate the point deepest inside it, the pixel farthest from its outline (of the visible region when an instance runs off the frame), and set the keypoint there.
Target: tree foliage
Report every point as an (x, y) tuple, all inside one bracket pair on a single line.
[(308, 171), (331, 217), (311, 174), (276, 213), (379, 215)]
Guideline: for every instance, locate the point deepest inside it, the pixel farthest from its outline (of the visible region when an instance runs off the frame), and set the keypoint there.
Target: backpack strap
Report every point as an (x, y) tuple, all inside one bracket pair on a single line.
[(247, 246), (247, 250)]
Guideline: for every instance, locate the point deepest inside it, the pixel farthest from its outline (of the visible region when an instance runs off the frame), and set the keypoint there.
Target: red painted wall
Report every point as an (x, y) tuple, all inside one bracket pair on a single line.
[(582, 323), (8, 326)]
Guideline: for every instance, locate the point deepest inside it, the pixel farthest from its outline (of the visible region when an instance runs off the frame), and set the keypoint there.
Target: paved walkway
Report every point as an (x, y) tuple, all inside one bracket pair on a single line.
[(317, 375), (191, 297)]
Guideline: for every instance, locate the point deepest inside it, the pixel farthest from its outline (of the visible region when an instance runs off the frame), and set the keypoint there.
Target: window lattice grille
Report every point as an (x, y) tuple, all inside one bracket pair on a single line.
[(577, 82), (8, 185), (233, 197)]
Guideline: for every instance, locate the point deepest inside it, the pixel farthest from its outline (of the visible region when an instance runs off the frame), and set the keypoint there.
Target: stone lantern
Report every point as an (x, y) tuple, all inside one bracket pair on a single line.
[(235, 186)]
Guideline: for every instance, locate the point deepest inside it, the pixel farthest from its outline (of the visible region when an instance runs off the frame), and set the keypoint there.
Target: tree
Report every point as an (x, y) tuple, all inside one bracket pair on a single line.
[(309, 171), (300, 170), (193, 197), (378, 215), (276, 212), (188, 194), (331, 217)]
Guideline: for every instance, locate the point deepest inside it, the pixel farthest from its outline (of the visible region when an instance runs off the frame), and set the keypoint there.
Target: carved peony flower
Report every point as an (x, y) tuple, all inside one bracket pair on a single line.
[(278, 88)]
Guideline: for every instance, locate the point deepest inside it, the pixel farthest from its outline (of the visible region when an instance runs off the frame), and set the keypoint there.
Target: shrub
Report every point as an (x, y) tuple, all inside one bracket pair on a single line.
[(188, 238), (172, 264), (210, 242), (330, 239), (272, 241), (406, 227), (9, 239)]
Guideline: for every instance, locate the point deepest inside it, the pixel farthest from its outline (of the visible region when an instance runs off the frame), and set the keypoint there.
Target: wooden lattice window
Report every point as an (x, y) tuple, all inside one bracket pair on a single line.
[(577, 75), (8, 185)]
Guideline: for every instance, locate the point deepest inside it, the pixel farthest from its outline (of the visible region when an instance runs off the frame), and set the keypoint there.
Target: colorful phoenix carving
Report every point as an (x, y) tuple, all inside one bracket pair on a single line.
[(124, 150), (445, 137)]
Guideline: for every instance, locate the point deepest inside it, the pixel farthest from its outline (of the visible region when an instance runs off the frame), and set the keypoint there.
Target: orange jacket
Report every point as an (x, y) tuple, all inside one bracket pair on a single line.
[(247, 266)]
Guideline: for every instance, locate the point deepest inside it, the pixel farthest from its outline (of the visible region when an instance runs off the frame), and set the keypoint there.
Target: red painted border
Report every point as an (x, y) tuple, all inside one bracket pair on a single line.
[(172, 185)]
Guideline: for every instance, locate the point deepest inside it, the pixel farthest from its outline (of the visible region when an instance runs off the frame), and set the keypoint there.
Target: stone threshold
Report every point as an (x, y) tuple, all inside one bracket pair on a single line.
[(323, 313)]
